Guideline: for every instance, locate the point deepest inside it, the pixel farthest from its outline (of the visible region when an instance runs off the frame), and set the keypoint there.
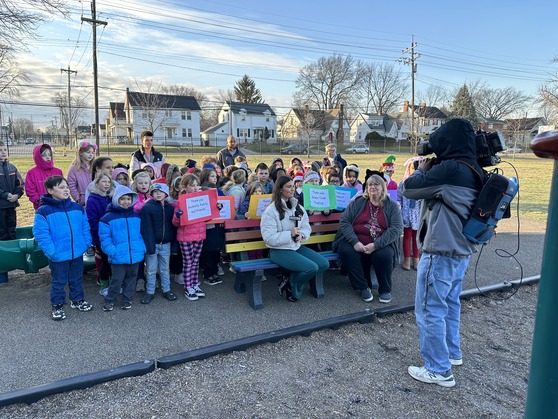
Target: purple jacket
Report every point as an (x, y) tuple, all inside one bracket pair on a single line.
[(96, 207), (78, 180), (35, 178)]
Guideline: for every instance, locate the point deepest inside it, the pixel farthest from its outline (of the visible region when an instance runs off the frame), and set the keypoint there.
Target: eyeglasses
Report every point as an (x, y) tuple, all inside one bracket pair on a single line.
[(374, 185)]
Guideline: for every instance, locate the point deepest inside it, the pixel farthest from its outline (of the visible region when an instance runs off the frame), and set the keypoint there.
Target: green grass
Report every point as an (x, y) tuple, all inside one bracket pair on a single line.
[(534, 174)]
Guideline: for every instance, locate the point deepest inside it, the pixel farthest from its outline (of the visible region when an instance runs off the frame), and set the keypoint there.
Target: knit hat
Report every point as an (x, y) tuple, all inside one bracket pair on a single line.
[(351, 168), (309, 175), (159, 187), (299, 176), (209, 166), (191, 169), (389, 165), (190, 163)]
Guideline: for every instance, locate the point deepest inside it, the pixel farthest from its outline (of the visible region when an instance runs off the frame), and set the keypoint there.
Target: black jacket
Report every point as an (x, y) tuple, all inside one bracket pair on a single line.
[(156, 224), (10, 182)]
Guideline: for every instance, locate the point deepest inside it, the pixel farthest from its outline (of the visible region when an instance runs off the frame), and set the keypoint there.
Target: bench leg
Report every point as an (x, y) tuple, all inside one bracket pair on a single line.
[(317, 285), (250, 282)]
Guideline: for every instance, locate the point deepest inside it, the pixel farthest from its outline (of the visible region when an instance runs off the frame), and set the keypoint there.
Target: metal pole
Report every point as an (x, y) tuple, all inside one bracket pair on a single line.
[(542, 391)]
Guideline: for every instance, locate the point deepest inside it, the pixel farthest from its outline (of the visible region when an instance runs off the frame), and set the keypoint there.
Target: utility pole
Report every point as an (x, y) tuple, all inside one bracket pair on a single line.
[(413, 57), (94, 22), (62, 70)]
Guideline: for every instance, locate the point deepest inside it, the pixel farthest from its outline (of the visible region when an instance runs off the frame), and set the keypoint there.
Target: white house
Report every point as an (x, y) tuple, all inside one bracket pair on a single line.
[(314, 126), (174, 119), (363, 124), (426, 119), (248, 122)]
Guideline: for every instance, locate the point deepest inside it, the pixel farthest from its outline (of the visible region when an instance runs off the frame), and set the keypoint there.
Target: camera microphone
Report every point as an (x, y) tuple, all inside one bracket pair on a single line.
[(296, 220)]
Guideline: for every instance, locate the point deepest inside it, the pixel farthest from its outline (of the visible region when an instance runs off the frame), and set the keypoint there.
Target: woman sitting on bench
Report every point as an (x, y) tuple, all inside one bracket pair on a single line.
[(284, 226)]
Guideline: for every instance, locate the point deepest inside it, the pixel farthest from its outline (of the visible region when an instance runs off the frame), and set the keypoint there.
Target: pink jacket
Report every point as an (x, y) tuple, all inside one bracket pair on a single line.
[(35, 178), (191, 233), (78, 180), (142, 198)]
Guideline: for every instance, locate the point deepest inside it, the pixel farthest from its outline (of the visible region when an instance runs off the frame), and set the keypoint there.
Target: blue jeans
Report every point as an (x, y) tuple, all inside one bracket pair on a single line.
[(69, 272), (160, 258), (303, 263), (437, 309)]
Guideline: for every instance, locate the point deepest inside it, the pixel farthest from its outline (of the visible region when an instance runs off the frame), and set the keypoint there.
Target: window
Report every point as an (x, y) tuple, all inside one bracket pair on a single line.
[(267, 119), (144, 115), (183, 132), (183, 115), (188, 115), (168, 113), (189, 132)]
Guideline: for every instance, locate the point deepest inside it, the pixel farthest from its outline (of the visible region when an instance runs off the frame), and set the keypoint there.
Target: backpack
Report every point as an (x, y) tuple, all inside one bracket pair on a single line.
[(492, 204)]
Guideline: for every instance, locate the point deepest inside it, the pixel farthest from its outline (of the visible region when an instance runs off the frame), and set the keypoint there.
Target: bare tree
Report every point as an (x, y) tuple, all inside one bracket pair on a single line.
[(548, 92), (383, 87), (206, 115), (549, 113), (435, 95), (153, 105), (11, 76), (61, 102), (499, 103), (329, 82), (22, 128)]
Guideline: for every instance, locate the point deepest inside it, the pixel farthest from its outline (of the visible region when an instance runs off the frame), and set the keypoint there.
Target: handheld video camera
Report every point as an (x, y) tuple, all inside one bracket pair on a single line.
[(488, 144)]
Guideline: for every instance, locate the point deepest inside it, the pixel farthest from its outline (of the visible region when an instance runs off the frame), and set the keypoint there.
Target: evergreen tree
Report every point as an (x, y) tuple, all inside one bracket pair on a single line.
[(246, 92), (463, 106)]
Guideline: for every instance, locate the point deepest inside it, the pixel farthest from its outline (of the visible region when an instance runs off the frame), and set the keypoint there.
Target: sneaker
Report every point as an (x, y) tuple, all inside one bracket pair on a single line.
[(103, 292), (213, 280), (179, 279), (456, 362), (190, 294), (126, 305), (147, 298), (385, 297), (366, 295), (108, 307), (199, 292), (169, 296), (422, 374), (140, 285), (81, 305), (220, 270), (58, 312)]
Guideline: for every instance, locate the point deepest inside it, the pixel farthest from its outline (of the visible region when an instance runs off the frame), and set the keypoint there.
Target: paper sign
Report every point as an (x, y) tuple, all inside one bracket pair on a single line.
[(227, 211), (319, 198), (198, 206), (343, 196), (258, 204)]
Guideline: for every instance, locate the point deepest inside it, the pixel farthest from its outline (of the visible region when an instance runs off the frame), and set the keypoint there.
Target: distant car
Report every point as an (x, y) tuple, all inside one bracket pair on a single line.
[(514, 150), (358, 148), (29, 141), (295, 149)]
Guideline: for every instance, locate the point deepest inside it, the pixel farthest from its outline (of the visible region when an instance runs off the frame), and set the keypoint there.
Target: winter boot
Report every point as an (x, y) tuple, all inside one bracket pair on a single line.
[(415, 263), (406, 265)]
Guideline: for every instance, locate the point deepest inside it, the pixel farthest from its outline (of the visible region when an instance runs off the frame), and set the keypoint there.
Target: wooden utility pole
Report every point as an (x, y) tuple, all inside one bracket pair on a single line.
[(94, 22), (69, 127), (411, 61)]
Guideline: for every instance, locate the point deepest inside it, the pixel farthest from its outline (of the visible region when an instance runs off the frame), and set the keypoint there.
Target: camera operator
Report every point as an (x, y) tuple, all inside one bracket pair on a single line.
[(449, 190)]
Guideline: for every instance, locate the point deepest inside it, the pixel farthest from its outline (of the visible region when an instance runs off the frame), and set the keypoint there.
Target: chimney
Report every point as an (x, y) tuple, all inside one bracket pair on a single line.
[(340, 133), (406, 106)]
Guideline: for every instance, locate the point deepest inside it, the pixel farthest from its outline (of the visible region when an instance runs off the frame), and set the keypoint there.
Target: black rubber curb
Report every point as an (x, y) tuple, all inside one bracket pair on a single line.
[(32, 394), (242, 344)]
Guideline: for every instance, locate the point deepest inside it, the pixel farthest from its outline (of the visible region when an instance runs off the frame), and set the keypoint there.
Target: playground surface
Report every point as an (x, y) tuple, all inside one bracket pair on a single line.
[(358, 370)]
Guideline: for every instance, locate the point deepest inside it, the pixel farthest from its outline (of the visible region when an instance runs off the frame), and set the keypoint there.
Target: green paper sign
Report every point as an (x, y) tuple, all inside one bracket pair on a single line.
[(319, 198)]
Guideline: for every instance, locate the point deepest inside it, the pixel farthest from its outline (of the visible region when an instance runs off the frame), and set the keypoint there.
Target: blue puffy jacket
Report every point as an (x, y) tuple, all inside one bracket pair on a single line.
[(119, 231), (61, 229)]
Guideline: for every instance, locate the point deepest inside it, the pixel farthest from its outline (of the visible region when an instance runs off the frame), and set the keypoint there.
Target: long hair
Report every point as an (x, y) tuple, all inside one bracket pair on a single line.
[(97, 164), (188, 179), (376, 179), (204, 175), (238, 177), (277, 198), (82, 147)]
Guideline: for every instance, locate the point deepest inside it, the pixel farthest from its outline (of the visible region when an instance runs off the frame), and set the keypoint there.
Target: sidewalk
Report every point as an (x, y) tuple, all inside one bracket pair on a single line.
[(36, 350)]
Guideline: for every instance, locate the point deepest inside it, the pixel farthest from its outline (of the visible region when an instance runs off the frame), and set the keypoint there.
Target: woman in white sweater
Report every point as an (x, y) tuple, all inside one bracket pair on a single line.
[(284, 226)]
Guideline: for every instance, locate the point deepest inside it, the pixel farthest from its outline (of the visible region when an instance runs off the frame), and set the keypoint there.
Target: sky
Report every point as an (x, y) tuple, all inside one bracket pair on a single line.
[(210, 45)]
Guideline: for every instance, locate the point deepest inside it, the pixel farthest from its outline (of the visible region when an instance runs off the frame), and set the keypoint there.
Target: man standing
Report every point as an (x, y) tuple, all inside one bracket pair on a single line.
[(227, 155), (147, 154), (332, 158), (449, 188)]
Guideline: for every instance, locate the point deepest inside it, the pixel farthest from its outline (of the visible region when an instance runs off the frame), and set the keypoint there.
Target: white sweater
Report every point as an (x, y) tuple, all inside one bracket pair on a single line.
[(277, 233)]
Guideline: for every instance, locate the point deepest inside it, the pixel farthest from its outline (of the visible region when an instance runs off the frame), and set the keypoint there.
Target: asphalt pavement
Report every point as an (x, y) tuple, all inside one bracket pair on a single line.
[(36, 350)]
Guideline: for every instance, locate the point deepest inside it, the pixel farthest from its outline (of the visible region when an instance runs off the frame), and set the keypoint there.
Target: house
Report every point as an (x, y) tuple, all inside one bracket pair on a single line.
[(173, 119), (116, 123), (363, 124), (248, 122), (315, 126), (520, 131), (490, 125), (425, 119)]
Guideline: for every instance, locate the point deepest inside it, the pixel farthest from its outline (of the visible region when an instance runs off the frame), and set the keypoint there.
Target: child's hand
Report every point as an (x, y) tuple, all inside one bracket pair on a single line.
[(179, 213), (219, 206), (326, 212)]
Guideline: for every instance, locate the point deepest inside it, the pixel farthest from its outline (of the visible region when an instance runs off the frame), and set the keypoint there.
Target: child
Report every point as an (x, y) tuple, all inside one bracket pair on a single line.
[(388, 168), (79, 175), (350, 177), (11, 189), (262, 176), (235, 187), (141, 185), (120, 176), (100, 196), (44, 168), (190, 237), (297, 181), (255, 188), (62, 231), (158, 233), (211, 250), (410, 212), (100, 164), (150, 169), (119, 232)]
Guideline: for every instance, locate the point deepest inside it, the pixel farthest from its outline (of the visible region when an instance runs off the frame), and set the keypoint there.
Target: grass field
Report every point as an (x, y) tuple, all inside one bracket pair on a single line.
[(534, 175)]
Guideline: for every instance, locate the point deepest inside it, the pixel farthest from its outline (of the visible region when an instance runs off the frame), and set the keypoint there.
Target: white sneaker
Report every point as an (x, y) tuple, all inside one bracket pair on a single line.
[(425, 376), (179, 279), (198, 291), (456, 362), (220, 271)]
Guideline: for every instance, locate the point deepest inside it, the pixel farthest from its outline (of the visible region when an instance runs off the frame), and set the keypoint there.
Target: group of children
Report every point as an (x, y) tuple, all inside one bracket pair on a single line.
[(132, 222)]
